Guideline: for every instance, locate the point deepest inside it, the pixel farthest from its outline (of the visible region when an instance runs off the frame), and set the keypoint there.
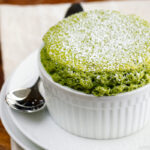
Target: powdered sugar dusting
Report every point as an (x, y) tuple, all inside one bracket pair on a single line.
[(100, 40)]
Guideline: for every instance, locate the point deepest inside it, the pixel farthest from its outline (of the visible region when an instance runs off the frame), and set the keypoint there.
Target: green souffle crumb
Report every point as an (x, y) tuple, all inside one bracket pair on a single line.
[(98, 52)]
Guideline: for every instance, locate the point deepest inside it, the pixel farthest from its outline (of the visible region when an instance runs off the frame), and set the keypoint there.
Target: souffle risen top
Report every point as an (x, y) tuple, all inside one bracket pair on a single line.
[(99, 52)]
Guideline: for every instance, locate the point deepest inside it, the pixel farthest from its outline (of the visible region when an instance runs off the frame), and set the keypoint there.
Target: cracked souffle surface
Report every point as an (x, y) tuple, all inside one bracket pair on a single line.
[(98, 52)]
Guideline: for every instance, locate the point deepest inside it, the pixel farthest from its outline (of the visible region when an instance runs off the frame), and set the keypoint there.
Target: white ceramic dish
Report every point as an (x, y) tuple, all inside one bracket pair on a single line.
[(41, 129), (10, 126), (106, 117)]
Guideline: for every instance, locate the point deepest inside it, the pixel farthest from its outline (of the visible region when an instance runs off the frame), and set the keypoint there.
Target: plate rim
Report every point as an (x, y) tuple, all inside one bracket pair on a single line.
[(5, 121), (10, 110)]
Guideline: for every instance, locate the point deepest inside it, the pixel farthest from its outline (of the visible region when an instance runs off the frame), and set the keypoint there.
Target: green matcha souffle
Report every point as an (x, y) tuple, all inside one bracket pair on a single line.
[(98, 52)]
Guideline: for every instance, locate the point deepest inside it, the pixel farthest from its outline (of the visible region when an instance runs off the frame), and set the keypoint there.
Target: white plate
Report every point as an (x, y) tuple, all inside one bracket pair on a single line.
[(11, 128), (40, 128)]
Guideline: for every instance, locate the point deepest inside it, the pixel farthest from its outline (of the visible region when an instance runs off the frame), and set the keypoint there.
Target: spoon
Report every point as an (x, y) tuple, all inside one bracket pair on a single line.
[(30, 100), (27, 99)]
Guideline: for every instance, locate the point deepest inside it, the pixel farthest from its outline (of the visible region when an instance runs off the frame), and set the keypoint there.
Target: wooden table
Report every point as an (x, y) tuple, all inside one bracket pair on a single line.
[(4, 137)]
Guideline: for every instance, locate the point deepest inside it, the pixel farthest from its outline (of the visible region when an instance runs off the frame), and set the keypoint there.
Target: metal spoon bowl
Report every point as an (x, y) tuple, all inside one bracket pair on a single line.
[(26, 100)]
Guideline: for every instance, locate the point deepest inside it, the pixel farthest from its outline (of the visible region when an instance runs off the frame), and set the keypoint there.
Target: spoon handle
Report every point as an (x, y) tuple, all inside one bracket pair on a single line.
[(75, 8), (36, 83)]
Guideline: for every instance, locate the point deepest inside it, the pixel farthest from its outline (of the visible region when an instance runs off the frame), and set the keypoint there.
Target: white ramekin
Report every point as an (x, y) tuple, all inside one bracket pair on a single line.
[(106, 117)]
